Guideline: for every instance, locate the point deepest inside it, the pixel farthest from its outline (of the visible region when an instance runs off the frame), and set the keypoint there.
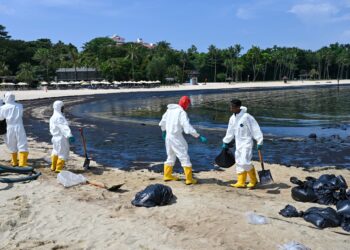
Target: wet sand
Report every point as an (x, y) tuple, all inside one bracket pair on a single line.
[(211, 215)]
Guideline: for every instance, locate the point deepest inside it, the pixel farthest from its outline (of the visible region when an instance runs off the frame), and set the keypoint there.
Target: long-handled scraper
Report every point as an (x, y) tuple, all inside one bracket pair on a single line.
[(87, 160)]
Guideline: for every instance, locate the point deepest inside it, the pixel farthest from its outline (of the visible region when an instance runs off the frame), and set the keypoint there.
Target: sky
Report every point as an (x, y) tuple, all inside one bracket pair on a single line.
[(307, 24)]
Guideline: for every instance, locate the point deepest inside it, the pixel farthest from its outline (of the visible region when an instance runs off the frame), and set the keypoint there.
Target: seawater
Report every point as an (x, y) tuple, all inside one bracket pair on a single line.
[(128, 135)]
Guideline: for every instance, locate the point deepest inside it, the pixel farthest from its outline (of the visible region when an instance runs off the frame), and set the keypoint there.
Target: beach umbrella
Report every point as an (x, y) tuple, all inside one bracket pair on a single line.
[(22, 84), (7, 84), (105, 82), (43, 83), (95, 82)]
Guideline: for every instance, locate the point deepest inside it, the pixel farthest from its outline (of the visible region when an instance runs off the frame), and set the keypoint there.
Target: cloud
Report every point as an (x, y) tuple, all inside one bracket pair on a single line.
[(307, 10), (60, 2), (245, 13), (6, 10)]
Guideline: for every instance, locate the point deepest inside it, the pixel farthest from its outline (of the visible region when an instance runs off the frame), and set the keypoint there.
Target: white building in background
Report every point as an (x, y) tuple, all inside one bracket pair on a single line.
[(118, 39), (148, 45)]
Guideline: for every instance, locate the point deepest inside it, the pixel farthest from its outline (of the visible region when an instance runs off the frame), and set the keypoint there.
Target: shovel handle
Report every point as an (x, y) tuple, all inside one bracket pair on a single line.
[(97, 184), (261, 159), (83, 139)]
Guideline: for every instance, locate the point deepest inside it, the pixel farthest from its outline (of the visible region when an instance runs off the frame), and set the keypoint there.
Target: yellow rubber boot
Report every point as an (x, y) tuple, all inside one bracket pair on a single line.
[(168, 174), (188, 175), (14, 159), (59, 166), (23, 157), (253, 179), (241, 180), (54, 159)]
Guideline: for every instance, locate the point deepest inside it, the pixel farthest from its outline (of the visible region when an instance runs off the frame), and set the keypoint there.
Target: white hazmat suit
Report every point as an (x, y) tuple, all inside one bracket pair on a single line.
[(16, 138), (175, 121), (60, 132), (243, 128)]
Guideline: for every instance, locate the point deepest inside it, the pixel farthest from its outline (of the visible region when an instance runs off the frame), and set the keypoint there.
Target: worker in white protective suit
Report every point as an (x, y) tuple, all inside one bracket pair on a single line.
[(174, 122), (15, 138), (243, 128), (61, 137)]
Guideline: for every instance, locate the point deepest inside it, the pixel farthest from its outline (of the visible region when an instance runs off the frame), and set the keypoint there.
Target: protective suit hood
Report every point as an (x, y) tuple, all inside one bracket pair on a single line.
[(57, 106), (174, 106), (243, 110), (9, 97)]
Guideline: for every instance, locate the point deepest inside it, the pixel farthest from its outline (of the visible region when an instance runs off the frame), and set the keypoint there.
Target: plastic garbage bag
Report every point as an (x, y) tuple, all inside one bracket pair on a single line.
[(69, 179), (343, 208), (326, 190), (256, 219), (293, 245), (322, 217), (153, 195), (303, 194), (3, 127), (345, 224), (290, 211), (225, 159), (326, 187)]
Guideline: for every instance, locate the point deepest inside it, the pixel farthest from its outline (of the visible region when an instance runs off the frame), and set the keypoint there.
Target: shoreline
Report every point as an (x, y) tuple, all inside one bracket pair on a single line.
[(41, 94), (42, 214)]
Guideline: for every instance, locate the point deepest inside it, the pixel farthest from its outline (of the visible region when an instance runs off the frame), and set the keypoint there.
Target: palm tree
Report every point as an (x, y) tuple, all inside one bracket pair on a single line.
[(132, 55), (25, 73), (213, 58), (74, 57), (4, 69), (43, 56)]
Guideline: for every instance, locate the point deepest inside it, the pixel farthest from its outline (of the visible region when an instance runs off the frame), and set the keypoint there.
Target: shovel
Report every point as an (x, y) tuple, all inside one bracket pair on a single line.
[(87, 160), (264, 175), (112, 188)]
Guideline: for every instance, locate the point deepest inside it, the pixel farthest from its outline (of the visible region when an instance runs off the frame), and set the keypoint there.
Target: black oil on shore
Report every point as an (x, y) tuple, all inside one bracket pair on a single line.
[(122, 129)]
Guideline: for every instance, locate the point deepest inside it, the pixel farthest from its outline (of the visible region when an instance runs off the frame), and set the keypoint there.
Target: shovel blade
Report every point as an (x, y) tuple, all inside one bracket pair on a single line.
[(86, 163), (115, 187), (265, 177)]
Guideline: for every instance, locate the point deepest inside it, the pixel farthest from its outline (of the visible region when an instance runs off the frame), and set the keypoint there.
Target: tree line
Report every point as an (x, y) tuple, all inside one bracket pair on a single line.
[(33, 61)]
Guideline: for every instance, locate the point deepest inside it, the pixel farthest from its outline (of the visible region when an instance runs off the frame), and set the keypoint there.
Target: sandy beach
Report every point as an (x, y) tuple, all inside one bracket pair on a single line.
[(42, 214)]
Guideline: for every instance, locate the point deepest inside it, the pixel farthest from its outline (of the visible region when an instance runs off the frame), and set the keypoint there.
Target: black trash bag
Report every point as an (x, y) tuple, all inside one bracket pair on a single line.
[(345, 224), (340, 195), (326, 186), (3, 127), (303, 194), (153, 195), (225, 159), (290, 211), (322, 217), (343, 208)]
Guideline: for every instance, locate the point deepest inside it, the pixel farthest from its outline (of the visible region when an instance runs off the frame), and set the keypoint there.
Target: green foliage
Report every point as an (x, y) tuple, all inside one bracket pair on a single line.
[(25, 73), (3, 33), (156, 68), (135, 61), (4, 69)]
